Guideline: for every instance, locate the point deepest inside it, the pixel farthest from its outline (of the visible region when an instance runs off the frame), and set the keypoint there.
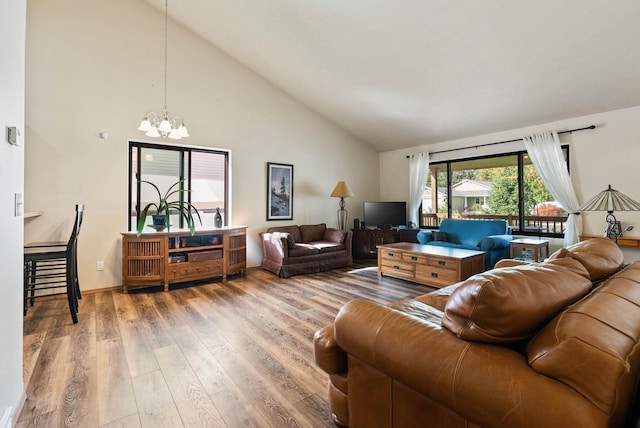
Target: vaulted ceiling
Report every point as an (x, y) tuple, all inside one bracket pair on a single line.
[(410, 72)]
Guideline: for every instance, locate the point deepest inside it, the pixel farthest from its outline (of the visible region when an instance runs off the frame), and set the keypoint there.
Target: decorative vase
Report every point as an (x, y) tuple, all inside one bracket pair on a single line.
[(217, 220), (159, 222)]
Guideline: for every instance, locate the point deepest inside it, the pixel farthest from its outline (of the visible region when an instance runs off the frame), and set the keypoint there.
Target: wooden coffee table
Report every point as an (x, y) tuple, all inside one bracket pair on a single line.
[(428, 264)]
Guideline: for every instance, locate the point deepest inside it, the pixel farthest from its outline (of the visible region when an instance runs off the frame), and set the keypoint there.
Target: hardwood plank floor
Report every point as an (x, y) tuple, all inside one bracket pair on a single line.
[(230, 354)]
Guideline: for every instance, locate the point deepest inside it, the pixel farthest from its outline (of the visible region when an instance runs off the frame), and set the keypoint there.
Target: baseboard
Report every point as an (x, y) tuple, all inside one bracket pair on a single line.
[(10, 414), (5, 419), (108, 290)]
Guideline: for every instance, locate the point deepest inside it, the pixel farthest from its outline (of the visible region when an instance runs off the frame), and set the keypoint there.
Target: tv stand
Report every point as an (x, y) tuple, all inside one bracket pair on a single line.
[(155, 258), (366, 241)]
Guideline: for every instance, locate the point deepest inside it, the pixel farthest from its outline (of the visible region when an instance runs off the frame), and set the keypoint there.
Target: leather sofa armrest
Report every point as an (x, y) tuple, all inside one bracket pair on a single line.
[(494, 242), (326, 352), (466, 377), (274, 247)]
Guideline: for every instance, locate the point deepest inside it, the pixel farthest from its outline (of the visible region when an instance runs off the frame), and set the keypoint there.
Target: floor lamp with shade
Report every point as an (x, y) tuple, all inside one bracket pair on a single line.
[(342, 191)]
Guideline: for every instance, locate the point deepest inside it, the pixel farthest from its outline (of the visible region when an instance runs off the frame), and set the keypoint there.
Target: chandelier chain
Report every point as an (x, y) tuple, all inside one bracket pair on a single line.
[(166, 14), (164, 125)]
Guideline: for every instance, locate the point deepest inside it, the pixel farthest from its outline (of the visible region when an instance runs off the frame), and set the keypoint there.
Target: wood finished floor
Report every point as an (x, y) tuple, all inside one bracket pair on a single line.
[(233, 354)]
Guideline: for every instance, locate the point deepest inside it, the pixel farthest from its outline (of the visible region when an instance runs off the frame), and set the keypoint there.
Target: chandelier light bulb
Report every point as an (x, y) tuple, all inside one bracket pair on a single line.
[(165, 126), (145, 125), (183, 131), (153, 132), (174, 134)]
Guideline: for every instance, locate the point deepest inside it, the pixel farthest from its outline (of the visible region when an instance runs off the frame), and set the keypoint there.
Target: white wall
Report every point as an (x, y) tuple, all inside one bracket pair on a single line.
[(98, 66), (610, 154), (12, 60)]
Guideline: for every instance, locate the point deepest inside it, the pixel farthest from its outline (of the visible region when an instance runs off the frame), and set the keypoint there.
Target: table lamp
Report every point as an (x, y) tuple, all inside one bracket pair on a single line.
[(611, 200)]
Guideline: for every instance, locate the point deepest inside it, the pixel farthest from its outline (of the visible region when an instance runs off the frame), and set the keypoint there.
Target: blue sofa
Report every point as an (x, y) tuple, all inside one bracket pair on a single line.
[(491, 236)]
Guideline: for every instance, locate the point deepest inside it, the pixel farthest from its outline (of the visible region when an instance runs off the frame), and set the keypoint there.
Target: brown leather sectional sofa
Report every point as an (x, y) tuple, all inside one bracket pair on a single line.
[(553, 344), (310, 248)]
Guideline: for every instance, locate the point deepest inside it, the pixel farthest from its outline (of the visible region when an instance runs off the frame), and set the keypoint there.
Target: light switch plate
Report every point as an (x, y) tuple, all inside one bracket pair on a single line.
[(13, 135), (18, 205)]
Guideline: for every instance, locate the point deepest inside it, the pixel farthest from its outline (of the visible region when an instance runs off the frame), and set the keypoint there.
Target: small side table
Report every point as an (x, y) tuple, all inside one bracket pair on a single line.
[(533, 245)]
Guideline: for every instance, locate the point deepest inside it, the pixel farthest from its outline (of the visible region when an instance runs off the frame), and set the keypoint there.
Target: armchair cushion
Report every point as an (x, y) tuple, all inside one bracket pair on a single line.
[(514, 304)]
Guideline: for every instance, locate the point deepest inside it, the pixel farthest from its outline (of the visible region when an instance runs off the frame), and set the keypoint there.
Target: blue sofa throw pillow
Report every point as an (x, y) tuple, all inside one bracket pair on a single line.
[(439, 236)]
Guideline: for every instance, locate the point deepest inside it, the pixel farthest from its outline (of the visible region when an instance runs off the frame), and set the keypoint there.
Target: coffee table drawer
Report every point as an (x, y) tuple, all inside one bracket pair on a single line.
[(391, 255), (441, 263), (394, 267), (414, 258), (434, 275)]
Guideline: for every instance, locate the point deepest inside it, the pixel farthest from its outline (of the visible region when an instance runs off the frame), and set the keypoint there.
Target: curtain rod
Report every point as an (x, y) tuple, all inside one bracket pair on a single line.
[(506, 141)]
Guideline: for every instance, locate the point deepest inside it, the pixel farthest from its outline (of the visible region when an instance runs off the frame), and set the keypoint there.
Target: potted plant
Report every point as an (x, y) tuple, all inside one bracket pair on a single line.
[(163, 206)]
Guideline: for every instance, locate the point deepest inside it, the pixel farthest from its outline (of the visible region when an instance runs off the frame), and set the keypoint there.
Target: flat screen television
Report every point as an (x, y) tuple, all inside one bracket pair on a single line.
[(385, 215)]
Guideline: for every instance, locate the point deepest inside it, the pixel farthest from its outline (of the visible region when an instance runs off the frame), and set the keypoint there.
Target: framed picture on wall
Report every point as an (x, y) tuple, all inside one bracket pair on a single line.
[(279, 191)]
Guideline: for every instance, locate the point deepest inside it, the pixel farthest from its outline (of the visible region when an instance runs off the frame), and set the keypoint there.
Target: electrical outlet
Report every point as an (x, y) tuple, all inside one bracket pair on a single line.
[(100, 265)]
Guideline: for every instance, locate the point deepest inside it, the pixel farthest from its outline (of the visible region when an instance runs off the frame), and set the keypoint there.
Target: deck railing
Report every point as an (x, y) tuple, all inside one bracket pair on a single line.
[(533, 224)]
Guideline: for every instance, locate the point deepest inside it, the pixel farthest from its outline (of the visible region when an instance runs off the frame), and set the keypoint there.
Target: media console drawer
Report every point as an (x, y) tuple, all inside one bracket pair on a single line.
[(190, 271), (428, 265)]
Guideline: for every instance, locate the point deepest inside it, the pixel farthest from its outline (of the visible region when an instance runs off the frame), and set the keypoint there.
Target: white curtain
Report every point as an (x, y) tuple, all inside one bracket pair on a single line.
[(546, 155), (418, 170)]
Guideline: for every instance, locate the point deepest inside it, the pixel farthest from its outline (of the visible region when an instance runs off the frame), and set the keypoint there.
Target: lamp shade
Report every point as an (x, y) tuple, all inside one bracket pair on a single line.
[(610, 200), (342, 190)]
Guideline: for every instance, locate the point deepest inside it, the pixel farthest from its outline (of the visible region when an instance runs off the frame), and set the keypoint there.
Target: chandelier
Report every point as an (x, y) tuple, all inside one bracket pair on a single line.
[(154, 125)]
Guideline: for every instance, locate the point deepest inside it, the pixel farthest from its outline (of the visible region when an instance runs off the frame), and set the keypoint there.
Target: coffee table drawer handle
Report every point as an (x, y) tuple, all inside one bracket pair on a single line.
[(396, 267), (414, 258), (441, 262), (434, 274), (390, 254)]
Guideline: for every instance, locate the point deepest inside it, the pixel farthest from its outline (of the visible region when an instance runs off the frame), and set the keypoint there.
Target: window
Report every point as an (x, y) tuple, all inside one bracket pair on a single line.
[(494, 187), (205, 173)]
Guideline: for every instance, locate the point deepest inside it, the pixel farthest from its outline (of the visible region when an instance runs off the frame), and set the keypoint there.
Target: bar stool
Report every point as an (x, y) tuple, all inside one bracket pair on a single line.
[(52, 267)]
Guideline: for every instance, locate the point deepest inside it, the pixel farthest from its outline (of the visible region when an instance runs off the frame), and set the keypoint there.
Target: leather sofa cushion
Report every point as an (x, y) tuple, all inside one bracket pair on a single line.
[(511, 304), (294, 231), (438, 299), (600, 256), (593, 345), (312, 232)]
